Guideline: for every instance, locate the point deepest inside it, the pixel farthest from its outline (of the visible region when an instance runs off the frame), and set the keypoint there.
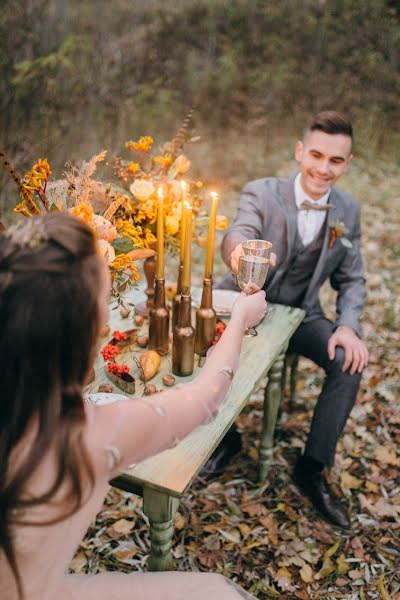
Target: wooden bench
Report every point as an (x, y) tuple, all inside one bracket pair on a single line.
[(163, 479)]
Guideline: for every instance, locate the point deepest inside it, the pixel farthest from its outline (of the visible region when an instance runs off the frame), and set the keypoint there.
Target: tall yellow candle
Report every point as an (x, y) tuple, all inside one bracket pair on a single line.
[(208, 271), (183, 217), (188, 251), (160, 234)]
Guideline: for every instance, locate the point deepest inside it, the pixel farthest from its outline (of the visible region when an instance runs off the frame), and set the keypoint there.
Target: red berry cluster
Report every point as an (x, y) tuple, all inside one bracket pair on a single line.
[(119, 335), (110, 351), (118, 370), (219, 330)]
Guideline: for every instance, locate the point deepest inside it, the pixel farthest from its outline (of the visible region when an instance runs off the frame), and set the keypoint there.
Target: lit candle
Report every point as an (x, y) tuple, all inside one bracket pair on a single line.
[(188, 251), (183, 216), (160, 234), (211, 236)]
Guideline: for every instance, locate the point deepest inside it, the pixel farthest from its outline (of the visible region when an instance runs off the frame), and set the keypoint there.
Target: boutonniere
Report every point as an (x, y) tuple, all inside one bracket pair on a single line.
[(339, 230)]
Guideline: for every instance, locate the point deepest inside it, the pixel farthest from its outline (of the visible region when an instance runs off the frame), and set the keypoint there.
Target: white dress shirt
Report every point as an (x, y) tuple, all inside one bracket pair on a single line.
[(309, 222)]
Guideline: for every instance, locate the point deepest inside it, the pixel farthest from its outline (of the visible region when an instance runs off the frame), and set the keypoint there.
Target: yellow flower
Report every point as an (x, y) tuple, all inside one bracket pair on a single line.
[(221, 222), (182, 164), (106, 250), (142, 189), (171, 225), (133, 167), (149, 237), (144, 144), (41, 169), (83, 211), (199, 184), (126, 229), (124, 263)]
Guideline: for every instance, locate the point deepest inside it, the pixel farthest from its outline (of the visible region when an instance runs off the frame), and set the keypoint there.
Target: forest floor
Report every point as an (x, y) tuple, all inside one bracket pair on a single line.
[(269, 539)]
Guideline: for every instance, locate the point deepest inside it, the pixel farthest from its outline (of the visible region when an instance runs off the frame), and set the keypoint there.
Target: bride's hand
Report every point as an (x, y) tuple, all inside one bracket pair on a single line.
[(250, 309)]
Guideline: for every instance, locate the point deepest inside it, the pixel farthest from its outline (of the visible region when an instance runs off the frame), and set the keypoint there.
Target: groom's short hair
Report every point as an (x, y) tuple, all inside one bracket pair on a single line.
[(331, 122)]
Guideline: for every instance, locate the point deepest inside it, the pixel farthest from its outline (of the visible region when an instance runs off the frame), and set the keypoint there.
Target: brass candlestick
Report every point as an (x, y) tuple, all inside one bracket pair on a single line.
[(177, 298), (149, 268), (183, 338), (206, 319), (159, 320)]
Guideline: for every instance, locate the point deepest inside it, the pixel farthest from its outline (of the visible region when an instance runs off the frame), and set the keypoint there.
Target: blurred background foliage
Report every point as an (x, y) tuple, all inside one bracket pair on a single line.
[(77, 76)]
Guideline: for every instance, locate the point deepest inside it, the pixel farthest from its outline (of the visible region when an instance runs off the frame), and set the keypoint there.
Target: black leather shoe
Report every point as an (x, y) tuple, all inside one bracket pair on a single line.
[(222, 455), (316, 488)]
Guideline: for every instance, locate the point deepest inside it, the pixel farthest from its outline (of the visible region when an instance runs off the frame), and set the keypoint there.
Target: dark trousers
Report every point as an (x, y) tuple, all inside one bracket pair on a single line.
[(338, 393)]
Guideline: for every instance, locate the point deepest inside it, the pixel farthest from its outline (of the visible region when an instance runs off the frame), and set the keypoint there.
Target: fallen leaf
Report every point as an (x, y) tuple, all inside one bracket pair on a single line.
[(126, 554), (232, 536), (386, 455), (179, 521), (348, 482), (342, 565), (254, 509), (78, 563), (355, 574), (120, 528), (306, 573)]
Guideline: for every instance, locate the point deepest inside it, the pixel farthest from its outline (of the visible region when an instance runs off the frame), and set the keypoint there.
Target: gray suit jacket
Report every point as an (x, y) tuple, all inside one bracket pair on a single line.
[(267, 210)]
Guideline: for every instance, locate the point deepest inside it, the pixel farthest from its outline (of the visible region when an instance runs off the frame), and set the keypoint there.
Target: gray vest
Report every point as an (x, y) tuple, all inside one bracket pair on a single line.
[(294, 284)]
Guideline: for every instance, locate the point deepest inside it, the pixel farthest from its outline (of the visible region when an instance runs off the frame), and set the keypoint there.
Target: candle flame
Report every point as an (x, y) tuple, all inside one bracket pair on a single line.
[(214, 195), (183, 185), (160, 192), (187, 204)]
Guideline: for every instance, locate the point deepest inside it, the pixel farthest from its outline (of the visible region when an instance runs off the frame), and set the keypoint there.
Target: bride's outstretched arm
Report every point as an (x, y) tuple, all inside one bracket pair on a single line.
[(143, 427)]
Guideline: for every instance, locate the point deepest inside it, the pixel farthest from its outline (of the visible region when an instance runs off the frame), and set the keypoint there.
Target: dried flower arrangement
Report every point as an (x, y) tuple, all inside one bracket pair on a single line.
[(122, 216)]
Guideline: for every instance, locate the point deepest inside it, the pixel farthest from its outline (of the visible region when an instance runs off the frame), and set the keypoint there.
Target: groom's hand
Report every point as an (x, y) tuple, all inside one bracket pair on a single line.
[(238, 251), (355, 351)]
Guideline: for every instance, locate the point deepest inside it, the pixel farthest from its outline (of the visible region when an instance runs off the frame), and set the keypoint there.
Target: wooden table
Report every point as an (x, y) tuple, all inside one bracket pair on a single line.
[(163, 479)]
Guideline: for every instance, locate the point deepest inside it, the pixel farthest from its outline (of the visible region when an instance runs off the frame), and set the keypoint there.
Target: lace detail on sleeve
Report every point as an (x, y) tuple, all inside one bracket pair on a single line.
[(114, 457)]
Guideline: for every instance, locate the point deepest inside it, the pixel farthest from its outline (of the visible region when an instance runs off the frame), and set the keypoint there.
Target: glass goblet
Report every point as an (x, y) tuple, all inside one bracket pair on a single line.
[(251, 277), (257, 248)]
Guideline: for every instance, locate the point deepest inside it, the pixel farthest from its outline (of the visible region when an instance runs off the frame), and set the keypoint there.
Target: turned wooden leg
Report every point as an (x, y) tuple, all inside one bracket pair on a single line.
[(160, 510), (272, 400)]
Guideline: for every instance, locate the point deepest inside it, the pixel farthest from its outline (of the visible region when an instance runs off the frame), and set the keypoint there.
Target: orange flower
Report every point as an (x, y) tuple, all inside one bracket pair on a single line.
[(164, 161), (133, 167), (143, 145), (83, 211)]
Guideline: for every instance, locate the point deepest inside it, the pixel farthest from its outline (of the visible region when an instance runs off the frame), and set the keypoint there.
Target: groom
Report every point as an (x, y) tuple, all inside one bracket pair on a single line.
[(304, 217)]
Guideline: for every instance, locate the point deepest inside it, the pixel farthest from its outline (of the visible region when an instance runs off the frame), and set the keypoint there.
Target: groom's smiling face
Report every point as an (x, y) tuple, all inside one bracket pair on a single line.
[(323, 158)]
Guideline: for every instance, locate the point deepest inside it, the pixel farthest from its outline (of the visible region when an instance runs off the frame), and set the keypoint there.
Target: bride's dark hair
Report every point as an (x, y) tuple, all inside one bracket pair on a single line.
[(49, 315)]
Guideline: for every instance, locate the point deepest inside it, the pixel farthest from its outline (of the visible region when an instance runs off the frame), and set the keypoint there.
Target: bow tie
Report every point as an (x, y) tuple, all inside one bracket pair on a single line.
[(307, 205)]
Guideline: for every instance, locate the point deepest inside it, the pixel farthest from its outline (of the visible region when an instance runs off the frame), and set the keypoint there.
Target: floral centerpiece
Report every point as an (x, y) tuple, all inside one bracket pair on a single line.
[(123, 215)]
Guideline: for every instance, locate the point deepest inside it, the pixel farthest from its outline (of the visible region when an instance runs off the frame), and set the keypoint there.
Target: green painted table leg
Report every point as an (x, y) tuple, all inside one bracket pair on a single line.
[(160, 510), (272, 401)]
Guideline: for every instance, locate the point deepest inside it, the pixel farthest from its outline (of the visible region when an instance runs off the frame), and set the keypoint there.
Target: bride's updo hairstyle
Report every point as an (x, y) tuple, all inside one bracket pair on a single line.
[(49, 326)]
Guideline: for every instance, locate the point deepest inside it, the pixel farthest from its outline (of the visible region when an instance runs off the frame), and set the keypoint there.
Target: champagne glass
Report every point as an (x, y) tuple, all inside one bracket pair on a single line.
[(257, 248), (251, 277)]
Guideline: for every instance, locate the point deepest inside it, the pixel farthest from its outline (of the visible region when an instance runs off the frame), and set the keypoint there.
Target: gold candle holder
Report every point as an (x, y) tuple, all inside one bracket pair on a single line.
[(149, 268), (183, 338), (206, 318), (177, 298), (159, 320)]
